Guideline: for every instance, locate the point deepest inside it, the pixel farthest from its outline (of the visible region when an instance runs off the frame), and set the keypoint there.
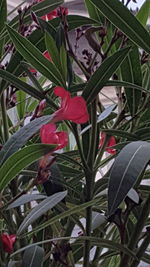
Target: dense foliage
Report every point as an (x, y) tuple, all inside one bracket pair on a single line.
[(73, 164)]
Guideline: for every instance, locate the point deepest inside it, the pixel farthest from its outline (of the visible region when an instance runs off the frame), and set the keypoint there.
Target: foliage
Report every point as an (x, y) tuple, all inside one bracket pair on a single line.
[(82, 189)]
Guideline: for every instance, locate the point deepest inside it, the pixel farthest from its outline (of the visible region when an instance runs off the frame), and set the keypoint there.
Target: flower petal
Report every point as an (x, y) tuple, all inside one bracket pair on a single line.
[(73, 109), (47, 55), (111, 143), (76, 110), (8, 242), (62, 139), (49, 135), (61, 92)]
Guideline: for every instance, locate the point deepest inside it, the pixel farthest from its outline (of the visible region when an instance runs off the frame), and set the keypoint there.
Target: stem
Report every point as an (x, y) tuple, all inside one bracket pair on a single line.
[(89, 194), (141, 250), (90, 178), (80, 147), (137, 231), (91, 154), (4, 118), (91, 65), (79, 63), (87, 247), (101, 152)]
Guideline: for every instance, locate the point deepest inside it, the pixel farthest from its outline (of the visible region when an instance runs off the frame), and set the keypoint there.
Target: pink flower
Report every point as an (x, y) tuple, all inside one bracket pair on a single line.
[(49, 135), (46, 55), (110, 144), (71, 108), (8, 242)]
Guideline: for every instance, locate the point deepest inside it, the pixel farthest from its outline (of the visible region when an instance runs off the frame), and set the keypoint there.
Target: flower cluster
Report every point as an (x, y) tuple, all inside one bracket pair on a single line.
[(71, 108)]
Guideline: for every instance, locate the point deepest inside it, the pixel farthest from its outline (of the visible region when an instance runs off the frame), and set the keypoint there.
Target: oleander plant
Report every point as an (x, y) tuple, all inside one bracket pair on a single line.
[(74, 165)]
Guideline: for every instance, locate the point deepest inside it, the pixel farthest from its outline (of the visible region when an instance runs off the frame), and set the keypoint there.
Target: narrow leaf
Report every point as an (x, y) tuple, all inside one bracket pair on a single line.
[(103, 74), (40, 209), (74, 210), (53, 51), (12, 79), (21, 103), (25, 199), (33, 257), (3, 12), (18, 139), (123, 19), (3, 18), (35, 57), (131, 72), (144, 12), (14, 67), (97, 220), (129, 164), (21, 159)]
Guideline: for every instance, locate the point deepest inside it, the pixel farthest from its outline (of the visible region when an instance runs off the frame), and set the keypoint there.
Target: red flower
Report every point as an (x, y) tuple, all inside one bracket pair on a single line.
[(50, 16), (46, 55), (49, 135), (111, 143), (8, 242), (71, 108)]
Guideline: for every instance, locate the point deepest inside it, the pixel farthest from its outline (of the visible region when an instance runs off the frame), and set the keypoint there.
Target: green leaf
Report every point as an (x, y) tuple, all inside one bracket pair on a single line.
[(144, 12), (3, 18), (103, 74), (40, 209), (127, 84), (80, 87), (75, 21), (97, 220), (53, 50), (93, 11), (19, 139), (63, 60), (21, 98), (128, 166), (3, 12), (35, 57), (100, 242), (33, 257), (131, 72), (14, 67), (21, 159), (123, 19), (74, 210), (12, 79), (25, 199)]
